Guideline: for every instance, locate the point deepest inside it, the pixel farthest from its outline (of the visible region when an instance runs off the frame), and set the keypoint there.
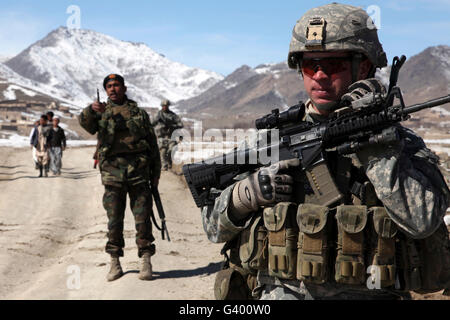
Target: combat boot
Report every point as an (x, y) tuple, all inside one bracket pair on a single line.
[(146, 267), (116, 270)]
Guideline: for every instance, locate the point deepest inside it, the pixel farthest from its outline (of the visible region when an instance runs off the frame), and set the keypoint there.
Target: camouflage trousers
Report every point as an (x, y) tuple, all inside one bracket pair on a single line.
[(166, 147), (114, 202)]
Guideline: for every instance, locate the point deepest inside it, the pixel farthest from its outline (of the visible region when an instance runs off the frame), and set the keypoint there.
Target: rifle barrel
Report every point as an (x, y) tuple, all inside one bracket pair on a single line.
[(428, 104)]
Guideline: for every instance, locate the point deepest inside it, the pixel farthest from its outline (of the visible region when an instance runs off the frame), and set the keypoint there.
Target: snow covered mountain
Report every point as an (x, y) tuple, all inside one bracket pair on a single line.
[(70, 65)]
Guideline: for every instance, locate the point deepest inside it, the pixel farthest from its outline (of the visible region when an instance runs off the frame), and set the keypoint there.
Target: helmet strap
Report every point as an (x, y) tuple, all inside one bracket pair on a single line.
[(356, 61)]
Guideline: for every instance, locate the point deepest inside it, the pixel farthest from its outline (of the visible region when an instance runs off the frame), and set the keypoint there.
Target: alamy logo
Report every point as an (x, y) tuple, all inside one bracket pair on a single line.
[(74, 20), (374, 280), (374, 20), (74, 280)]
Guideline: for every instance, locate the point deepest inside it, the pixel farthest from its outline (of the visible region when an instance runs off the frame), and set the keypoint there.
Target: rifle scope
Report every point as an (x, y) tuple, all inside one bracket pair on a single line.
[(276, 119)]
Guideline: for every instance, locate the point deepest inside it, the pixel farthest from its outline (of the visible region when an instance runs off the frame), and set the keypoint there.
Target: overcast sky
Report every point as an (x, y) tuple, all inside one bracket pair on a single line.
[(218, 35)]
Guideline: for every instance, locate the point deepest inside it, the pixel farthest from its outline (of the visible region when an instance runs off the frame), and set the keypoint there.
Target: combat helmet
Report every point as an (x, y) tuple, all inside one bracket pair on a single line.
[(165, 102), (334, 27)]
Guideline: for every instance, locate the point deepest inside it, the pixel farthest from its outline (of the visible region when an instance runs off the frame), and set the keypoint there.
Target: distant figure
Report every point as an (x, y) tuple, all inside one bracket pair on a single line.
[(165, 123), (36, 124), (50, 115), (39, 141), (57, 144)]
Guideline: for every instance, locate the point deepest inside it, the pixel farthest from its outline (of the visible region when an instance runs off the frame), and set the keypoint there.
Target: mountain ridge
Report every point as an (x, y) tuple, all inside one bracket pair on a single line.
[(74, 62)]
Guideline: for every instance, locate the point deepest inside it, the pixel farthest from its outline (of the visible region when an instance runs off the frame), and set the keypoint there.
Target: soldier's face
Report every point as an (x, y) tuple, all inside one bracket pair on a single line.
[(116, 91), (327, 75)]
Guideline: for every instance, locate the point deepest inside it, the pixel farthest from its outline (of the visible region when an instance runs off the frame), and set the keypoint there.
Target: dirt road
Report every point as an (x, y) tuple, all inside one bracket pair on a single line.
[(53, 233)]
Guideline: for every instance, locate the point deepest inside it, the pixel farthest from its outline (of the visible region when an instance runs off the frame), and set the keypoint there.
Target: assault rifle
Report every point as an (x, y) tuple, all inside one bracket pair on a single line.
[(162, 216), (355, 125)]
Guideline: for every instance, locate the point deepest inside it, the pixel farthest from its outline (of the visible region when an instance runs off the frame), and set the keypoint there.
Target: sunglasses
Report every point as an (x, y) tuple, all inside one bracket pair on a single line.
[(330, 66)]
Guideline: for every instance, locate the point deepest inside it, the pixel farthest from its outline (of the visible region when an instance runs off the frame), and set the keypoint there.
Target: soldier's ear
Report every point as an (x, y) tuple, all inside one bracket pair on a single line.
[(125, 87), (364, 69)]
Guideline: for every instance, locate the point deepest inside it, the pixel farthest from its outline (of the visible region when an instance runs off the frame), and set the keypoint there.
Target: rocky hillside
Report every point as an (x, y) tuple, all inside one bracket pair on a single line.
[(249, 93)]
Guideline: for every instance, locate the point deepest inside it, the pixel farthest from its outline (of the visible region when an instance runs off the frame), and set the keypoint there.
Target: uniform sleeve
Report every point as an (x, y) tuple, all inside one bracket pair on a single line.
[(88, 119), (409, 183), (179, 123), (155, 120), (216, 222), (154, 155)]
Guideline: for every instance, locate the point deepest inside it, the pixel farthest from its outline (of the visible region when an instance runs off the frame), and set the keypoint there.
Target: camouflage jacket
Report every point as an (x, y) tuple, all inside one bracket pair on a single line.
[(131, 133), (406, 179), (166, 123)]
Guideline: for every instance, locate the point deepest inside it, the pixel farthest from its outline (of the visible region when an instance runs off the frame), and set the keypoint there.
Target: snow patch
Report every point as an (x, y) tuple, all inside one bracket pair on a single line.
[(71, 64)]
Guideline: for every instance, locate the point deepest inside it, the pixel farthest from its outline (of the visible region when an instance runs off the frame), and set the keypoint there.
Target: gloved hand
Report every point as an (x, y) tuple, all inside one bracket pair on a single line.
[(265, 187), (362, 87)]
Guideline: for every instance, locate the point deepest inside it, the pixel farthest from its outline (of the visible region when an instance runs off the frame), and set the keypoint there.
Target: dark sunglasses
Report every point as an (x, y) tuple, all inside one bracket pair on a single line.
[(329, 66)]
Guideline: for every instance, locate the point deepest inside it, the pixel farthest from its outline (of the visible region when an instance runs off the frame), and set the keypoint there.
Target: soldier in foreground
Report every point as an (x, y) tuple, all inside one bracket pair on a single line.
[(128, 160), (165, 123), (285, 244)]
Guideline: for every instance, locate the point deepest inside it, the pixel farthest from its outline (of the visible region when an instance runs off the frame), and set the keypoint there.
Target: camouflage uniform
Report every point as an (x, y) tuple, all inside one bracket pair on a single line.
[(128, 160), (165, 123), (405, 178)]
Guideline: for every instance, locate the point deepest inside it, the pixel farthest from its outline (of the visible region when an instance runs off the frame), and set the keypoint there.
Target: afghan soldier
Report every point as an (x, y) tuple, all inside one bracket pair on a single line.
[(285, 244), (128, 160), (165, 123)]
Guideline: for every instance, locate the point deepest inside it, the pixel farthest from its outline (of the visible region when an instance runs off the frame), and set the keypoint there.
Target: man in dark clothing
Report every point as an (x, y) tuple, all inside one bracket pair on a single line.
[(56, 144)]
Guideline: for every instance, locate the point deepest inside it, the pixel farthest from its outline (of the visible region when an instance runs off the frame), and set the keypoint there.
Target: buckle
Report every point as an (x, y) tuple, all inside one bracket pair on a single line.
[(315, 33)]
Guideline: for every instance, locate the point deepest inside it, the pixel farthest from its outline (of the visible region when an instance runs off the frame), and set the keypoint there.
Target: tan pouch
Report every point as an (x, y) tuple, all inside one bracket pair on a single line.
[(313, 247), (253, 246), (350, 267), (382, 255), (280, 221)]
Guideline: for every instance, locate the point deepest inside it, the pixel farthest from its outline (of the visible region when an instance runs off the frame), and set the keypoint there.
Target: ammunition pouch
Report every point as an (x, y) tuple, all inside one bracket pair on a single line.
[(350, 267), (313, 246), (322, 183), (253, 246), (230, 285), (382, 246), (425, 263), (280, 222)]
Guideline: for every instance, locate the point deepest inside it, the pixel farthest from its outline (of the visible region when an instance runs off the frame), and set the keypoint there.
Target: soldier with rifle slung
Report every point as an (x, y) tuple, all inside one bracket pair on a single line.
[(355, 208), (165, 123), (128, 159)]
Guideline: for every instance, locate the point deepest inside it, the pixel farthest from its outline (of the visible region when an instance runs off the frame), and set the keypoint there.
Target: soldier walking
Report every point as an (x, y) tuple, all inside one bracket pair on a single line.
[(128, 160), (165, 123)]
